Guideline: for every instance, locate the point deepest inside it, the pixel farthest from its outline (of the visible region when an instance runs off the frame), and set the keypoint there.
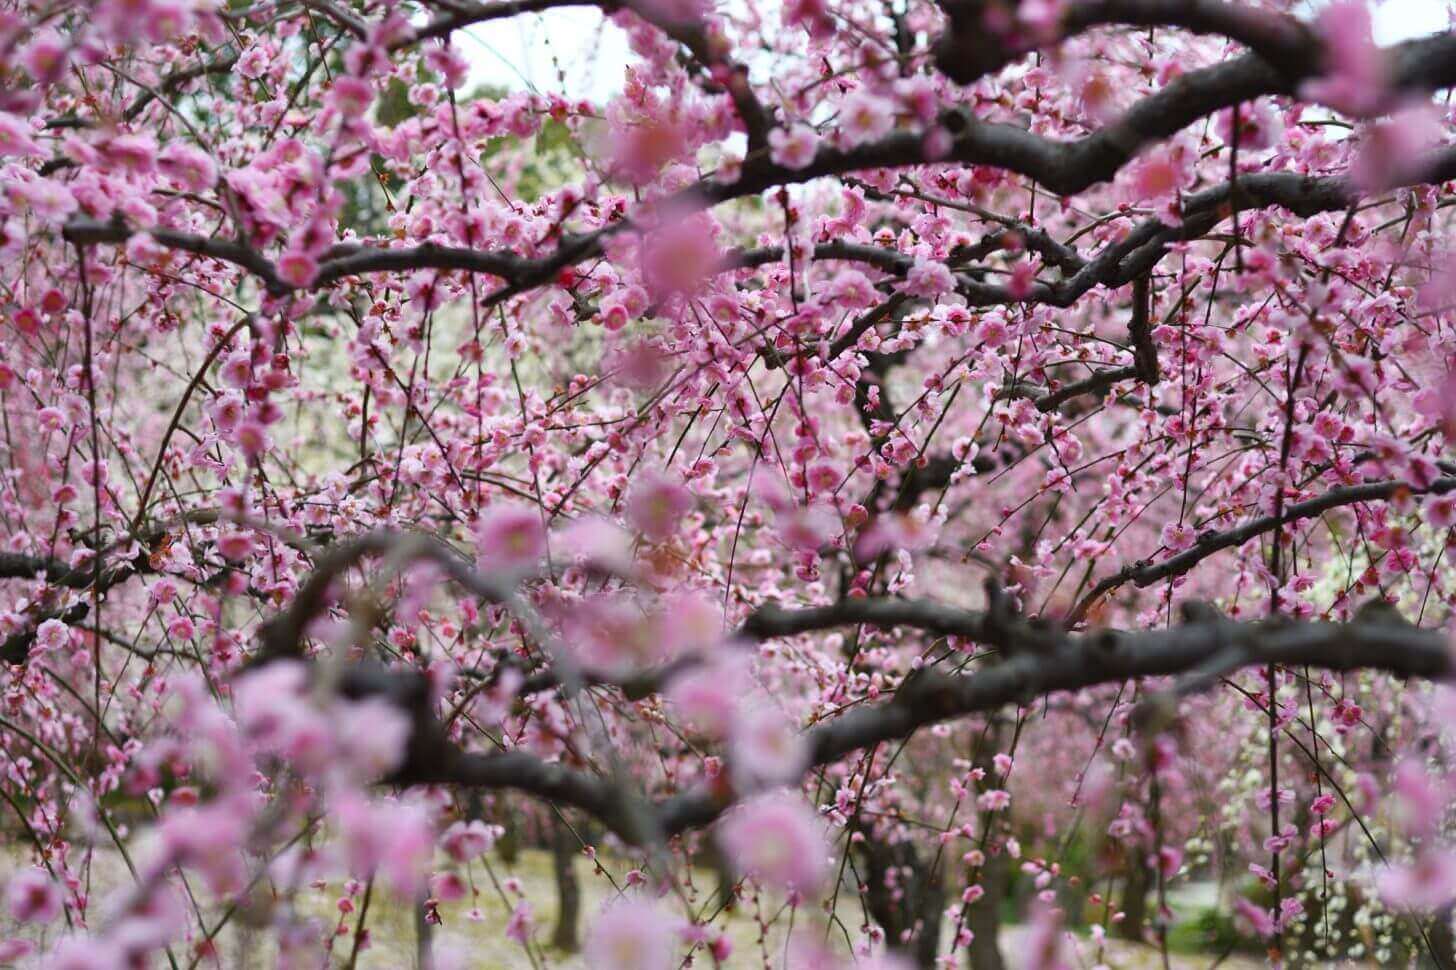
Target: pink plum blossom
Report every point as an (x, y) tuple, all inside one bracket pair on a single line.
[(775, 839), (631, 932)]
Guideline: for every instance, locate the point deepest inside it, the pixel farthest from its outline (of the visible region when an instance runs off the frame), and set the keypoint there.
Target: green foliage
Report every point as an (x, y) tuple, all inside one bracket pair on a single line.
[(1208, 931)]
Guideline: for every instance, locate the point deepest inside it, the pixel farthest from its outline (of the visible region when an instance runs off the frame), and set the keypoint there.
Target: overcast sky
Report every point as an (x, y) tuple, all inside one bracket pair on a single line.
[(577, 52)]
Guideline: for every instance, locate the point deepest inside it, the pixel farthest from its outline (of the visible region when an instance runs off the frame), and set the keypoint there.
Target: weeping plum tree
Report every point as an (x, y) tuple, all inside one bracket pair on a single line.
[(953, 463)]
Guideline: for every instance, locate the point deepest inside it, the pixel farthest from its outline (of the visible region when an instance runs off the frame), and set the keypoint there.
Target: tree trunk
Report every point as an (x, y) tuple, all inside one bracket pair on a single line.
[(568, 889), (983, 917), (1135, 900), (910, 918), (1442, 954)]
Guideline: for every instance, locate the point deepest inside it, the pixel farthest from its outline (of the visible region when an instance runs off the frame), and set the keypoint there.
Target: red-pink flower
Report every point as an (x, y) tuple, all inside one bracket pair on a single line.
[(351, 96), (297, 268), (15, 138), (33, 897)]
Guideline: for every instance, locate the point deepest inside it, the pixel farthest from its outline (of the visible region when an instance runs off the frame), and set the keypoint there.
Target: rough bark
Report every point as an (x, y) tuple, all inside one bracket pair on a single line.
[(910, 918), (568, 888)]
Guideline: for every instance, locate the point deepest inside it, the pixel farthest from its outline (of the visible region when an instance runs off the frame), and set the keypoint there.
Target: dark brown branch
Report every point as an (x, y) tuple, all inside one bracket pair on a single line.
[(1035, 661), (967, 51), (1076, 663), (1143, 574), (1116, 265), (1100, 381), (1069, 167)]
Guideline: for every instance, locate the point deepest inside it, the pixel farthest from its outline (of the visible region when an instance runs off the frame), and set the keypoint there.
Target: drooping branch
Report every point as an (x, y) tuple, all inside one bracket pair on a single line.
[(1072, 663), (1116, 265), (1035, 660), (1046, 664), (1143, 574), (1069, 167)]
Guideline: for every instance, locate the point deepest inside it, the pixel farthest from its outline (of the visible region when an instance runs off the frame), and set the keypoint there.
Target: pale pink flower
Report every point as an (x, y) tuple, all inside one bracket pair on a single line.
[(1022, 279), (391, 837), (447, 887), (679, 256), (1356, 81), (793, 147), (631, 933), (775, 839), (639, 151), (689, 622), (821, 477), (52, 635), (1045, 943), (510, 537), (50, 200), (891, 532), (1178, 536), (14, 950), (15, 138), (929, 280), (33, 897), (1260, 126), (371, 736), (865, 117), (807, 528), (253, 61), (1420, 799), (1154, 177), (86, 953), (447, 61), (765, 748), (599, 542), (276, 715), (235, 544), (1391, 152), (133, 153), (656, 506), (187, 165), (1042, 19), (994, 800), (209, 840), (707, 695), (464, 841), (521, 924), (252, 439), (1427, 883)]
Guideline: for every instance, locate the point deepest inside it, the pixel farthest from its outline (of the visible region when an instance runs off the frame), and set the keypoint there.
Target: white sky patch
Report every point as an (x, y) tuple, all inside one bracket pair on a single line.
[(577, 52)]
